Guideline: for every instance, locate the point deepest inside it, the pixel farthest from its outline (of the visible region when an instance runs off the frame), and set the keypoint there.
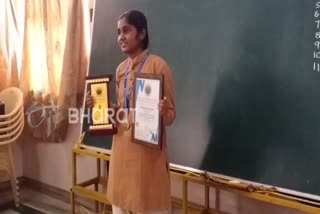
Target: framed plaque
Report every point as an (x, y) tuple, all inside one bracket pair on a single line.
[(147, 124), (100, 123)]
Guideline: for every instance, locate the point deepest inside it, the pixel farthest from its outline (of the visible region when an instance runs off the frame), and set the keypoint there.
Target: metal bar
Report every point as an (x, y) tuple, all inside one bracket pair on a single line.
[(89, 182), (87, 152), (96, 184), (207, 197), (73, 207), (91, 194), (74, 181), (74, 169), (217, 207), (185, 196)]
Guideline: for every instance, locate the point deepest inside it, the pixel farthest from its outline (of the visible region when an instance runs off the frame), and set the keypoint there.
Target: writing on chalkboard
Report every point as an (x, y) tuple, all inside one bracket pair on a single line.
[(316, 53)]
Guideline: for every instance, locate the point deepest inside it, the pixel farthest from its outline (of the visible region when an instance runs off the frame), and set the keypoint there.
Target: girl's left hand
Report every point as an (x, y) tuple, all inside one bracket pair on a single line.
[(163, 106)]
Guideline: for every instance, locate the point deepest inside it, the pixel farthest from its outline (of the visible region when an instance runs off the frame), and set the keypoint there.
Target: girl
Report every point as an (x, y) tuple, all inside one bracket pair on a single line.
[(139, 179)]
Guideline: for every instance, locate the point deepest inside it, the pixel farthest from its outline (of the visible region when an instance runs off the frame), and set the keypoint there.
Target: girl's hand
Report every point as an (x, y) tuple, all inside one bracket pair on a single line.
[(89, 100), (163, 106)]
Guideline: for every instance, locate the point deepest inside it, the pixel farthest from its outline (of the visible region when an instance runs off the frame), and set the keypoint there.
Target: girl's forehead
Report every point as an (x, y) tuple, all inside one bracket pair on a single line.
[(122, 23)]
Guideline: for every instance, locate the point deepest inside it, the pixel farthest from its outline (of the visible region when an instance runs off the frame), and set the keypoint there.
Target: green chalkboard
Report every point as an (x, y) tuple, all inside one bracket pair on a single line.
[(246, 80)]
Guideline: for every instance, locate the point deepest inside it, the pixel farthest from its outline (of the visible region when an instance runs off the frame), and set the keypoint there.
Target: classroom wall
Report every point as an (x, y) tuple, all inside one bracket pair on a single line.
[(50, 163)]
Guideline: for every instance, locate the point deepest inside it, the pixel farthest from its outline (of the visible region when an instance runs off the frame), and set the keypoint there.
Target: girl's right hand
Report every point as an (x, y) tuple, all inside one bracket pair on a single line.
[(89, 100)]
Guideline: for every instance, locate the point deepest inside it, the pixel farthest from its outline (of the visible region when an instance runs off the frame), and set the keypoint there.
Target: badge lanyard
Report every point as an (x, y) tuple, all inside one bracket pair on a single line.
[(126, 94)]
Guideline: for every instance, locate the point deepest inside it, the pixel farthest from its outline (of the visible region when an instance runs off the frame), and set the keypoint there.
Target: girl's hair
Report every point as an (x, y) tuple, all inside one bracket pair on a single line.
[(139, 21)]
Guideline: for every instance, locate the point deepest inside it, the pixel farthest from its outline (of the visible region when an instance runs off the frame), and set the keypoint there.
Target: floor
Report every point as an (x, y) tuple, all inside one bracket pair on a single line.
[(19, 210), (36, 202)]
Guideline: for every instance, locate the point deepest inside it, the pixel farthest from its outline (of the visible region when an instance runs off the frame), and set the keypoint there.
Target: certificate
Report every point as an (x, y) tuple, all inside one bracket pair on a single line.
[(147, 125), (100, 123)]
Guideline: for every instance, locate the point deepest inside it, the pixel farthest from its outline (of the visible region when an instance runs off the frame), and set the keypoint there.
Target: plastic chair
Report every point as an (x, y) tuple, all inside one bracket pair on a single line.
[(11, 127)]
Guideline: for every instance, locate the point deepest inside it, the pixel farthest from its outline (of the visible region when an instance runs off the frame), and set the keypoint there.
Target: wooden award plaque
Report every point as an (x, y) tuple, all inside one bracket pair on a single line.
[(100, 123)]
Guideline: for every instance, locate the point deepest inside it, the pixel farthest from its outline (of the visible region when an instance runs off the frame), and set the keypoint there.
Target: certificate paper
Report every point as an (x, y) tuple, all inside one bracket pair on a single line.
[(147, 120)]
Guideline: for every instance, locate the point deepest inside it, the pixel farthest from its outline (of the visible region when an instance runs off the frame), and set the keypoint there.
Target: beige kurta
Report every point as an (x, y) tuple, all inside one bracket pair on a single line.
[(139, 178)]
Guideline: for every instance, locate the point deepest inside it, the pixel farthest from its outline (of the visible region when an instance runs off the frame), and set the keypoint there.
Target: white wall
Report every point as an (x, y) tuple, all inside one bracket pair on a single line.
[(51, 163)]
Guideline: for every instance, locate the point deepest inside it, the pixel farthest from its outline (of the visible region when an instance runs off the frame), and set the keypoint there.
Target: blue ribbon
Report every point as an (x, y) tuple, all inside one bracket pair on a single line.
[(126, 94)]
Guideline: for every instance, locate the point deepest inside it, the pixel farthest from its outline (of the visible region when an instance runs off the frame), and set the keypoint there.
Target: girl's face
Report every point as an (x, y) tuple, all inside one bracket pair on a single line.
[(130, 41)]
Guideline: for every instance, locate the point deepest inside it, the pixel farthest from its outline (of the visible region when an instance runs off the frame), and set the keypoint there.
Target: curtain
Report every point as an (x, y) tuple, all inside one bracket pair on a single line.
[(11, 37), (49, 62)]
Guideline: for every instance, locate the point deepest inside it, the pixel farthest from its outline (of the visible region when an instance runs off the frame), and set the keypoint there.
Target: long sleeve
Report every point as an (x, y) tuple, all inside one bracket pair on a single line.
[(118, 96), (117, 86), (119, 79)]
